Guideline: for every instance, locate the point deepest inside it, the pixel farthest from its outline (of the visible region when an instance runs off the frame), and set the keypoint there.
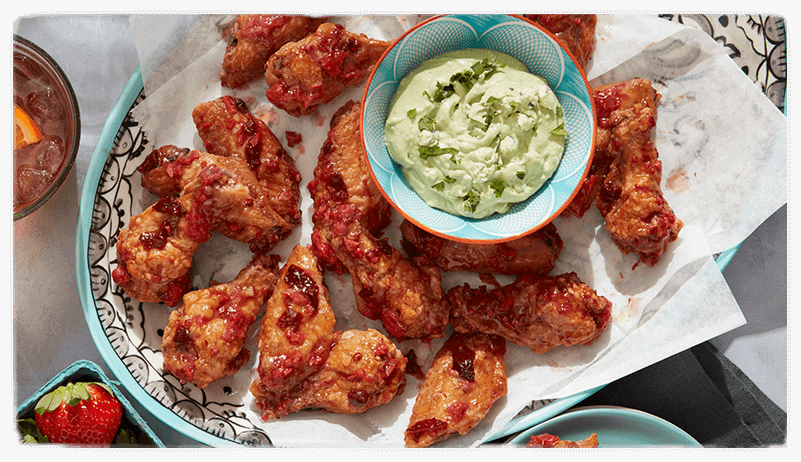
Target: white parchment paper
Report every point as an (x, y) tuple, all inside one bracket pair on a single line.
[(722, 143)]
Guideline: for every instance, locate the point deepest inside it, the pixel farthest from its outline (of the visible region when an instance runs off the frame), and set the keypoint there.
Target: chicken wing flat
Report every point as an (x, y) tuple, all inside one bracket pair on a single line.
[(297, 330), (255, 37), (249, 216), (341, 177), (204, 340), (638, 218), (314, 70), (546, 440), (575, 31), (534, 253), (466, 377), (228, 128), (538, 312), (365, 369)]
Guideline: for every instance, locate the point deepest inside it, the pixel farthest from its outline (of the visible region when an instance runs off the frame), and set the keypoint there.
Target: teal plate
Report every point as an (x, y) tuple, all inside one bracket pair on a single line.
[(616, 427)]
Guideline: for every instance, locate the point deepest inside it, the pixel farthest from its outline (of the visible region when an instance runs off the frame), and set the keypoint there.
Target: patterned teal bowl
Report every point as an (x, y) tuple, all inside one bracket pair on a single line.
[(544, 56)]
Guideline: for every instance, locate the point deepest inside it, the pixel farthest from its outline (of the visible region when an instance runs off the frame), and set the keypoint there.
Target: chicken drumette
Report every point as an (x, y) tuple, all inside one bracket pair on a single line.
[(575, 31)]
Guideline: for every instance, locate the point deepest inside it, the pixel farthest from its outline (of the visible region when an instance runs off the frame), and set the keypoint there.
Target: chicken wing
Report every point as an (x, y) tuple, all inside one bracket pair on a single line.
[(638, 218), (250, 218), (538, 312), (228, 128), (534, 253), (546, 440), (575, 31), (341, 176), (297, 330), (314, 70), (365, 369), (255, 37), (204, 340), (466, 377)]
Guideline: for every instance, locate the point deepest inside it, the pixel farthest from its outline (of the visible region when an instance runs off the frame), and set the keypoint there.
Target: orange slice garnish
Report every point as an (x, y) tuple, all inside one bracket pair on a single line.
[(25, 129)]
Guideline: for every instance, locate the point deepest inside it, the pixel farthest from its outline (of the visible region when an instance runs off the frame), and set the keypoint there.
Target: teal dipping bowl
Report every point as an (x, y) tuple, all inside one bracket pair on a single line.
[(543, 55)]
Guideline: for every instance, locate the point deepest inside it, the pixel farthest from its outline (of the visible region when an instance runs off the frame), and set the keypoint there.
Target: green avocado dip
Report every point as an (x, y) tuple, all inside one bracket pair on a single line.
[(475, 132)]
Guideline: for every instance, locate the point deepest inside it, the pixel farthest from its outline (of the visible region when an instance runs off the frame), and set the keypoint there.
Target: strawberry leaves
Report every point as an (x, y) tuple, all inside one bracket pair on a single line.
[(72, 394)]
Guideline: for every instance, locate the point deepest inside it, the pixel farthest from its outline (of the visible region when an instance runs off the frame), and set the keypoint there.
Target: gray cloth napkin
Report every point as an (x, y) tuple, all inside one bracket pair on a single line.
[(704, 394)]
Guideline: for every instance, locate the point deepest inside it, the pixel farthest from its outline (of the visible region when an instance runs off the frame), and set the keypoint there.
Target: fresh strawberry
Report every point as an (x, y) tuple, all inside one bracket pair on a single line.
[(85, 413)]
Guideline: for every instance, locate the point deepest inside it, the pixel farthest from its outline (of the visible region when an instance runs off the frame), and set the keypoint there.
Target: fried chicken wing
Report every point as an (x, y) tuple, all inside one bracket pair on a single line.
[(314, 70), (365, 369), (534, 253), (297, 330), (228, 128), (466, 377), (248, 218), (547, 440), (538, 312), (638, 218), (349, 212), (341, 176), (204, 340), (255, 37), (575, 31)]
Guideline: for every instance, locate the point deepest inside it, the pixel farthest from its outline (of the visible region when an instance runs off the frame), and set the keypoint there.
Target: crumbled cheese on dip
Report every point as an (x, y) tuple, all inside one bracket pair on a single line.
[(475, 132)]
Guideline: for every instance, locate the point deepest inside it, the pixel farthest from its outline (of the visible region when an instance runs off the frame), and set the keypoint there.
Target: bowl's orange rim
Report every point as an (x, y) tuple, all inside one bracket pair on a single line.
[(405, 215)]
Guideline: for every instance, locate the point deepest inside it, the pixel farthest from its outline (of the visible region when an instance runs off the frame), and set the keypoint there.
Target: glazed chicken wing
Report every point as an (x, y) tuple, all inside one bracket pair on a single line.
[(228, 128), (638, 218), (204, 340), (466, 377), (534, 253), (546, 440), (341, 177), (314, 70), (349, 212), (297, 330), (249, 218), (155, 250), (365, 369), (538, 312), (575, 31), (255, 37)]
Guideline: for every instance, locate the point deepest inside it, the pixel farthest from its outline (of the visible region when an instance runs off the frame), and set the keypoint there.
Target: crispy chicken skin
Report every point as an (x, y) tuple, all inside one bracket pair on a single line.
[(254, 38), (349, 212), (466, 377), (314, 70), (228, 128), (341, 177), (204, 340), (297, 330), (546, 440), (534, 253), (538, 312), (365, 369), (249, 216), (638, 218), (575, 31)]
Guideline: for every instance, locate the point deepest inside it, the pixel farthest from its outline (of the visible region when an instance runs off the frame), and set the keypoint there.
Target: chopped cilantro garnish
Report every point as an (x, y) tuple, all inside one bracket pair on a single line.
[(560, 130), (440, 185), (559, 111), (426, 123), (471, 200), (498, 185), (411, 113), (433, 151), (521, 174)]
